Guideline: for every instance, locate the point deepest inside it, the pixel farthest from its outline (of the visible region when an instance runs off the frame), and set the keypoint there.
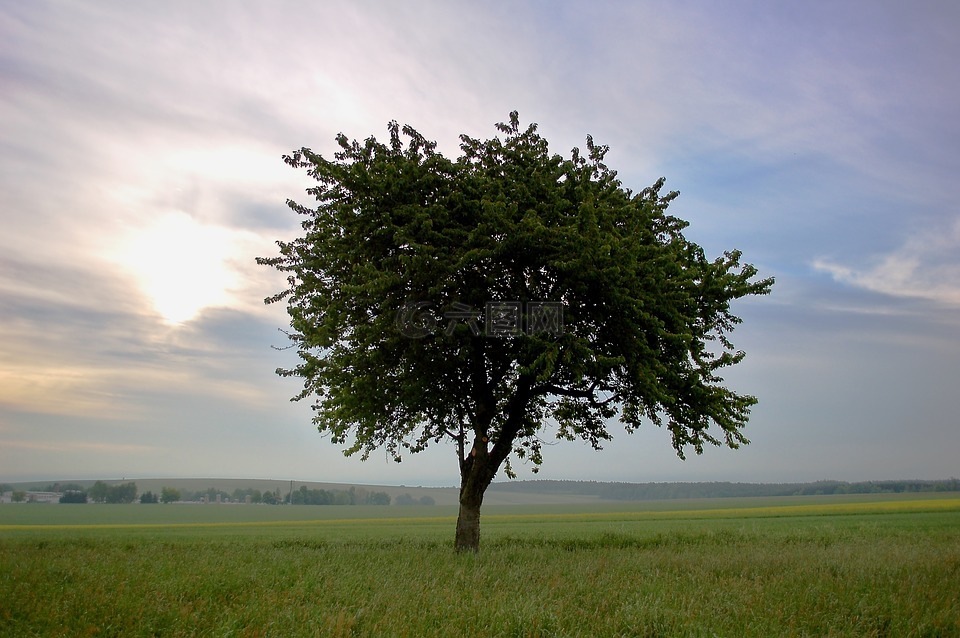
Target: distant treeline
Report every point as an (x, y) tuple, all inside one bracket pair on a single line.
[(101, 492), (659, 491), (353, 496)]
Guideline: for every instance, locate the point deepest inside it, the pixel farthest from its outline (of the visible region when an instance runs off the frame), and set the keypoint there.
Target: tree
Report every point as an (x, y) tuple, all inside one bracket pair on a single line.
[(504, 295), (123, 493), (74, 496), (378, 498), (98, 492), (169, 495), (149, 497)]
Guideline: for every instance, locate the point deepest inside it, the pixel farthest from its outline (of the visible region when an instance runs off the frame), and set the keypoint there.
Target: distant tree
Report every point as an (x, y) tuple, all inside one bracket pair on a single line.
[(169, 495), (596, 305), (124, 493), (427, 500), (149, 497), (342, 497), (18, 496), (98, 492), (378, 498), (301, 496), (101, 492), (271, 498), (74, 496)]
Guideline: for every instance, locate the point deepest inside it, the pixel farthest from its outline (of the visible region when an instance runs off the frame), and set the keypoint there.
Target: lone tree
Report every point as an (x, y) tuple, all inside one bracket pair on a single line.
[(499, 297)]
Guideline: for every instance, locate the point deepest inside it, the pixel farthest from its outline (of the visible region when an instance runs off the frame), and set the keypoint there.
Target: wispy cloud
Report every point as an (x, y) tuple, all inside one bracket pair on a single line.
[(75, 447), (926, 266)]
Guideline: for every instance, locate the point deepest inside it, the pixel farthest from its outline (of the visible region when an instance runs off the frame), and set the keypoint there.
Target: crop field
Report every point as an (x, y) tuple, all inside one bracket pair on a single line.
[(796, 566)]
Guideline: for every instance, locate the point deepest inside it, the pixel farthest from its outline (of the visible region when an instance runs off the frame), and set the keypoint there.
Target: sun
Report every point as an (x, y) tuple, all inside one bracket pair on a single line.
[(180, 265)]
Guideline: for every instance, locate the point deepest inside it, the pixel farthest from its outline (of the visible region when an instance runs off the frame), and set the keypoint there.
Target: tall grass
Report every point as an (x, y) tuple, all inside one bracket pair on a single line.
[(850, 574)]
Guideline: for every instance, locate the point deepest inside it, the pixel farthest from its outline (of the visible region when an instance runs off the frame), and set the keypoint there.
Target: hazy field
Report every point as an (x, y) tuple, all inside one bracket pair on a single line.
[(814, 566)]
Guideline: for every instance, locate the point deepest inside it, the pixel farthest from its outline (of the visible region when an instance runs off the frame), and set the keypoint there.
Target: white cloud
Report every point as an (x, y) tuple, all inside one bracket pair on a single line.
[(926, 266)]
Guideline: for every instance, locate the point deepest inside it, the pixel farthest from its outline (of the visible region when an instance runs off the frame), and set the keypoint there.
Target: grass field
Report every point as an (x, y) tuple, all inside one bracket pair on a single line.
[(800, 566)]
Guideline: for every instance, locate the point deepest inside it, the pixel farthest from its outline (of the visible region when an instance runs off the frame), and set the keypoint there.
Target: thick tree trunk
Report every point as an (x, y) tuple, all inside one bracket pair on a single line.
[(476, 473), (478, 468), (468, 521)]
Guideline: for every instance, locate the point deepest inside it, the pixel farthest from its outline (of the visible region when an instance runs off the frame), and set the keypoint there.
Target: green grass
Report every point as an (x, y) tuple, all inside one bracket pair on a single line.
[(771, 567)]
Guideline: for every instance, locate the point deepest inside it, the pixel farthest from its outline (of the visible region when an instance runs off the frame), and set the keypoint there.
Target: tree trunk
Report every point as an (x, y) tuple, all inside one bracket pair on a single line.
[(479, 467), (468, 521), (475, 476)]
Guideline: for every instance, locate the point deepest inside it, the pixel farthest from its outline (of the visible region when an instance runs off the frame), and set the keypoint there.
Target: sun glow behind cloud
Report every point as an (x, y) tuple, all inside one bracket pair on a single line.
[(175, 238), (181, 265)]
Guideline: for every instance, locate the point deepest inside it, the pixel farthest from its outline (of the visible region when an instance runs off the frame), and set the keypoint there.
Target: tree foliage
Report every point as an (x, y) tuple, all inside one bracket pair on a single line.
[(74, 496), (100, 492), (397, 227), (271, 498)]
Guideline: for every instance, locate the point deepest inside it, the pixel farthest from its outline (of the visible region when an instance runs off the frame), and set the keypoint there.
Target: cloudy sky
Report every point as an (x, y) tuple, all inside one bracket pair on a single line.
[(140, 175)]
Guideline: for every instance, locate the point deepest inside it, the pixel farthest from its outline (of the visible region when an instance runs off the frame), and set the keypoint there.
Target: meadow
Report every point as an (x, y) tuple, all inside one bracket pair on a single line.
[(884, 565)]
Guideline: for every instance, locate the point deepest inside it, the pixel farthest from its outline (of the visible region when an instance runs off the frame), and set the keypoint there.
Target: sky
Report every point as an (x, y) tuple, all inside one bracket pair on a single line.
[(141, 174)]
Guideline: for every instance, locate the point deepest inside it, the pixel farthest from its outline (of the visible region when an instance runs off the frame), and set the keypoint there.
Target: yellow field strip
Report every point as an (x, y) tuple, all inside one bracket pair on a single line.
[(830, 509), (767, 511)]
